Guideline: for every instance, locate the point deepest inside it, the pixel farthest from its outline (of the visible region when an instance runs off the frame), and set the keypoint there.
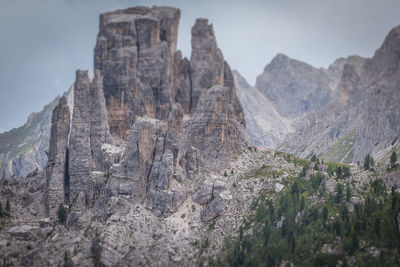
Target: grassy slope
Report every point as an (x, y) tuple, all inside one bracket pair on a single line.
[(20, 140)]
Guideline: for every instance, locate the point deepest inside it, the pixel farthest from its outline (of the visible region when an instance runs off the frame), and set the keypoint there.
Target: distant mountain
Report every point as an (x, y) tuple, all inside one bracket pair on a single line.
[(22, 150), (363, 118), (265, 126), (298, 89)]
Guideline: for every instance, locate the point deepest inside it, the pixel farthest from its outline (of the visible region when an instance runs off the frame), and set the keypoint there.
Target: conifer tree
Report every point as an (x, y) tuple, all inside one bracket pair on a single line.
[(393, 159)]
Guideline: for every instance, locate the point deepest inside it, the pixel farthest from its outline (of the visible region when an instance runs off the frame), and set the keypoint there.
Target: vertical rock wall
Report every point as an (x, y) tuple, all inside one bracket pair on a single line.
[(57, 167), (150, 119)]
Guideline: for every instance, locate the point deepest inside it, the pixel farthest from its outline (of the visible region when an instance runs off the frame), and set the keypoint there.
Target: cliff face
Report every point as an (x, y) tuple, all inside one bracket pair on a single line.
[(363, 118), (149, 121), (288, 94), (22, 150), (296, 88), (265, 125)]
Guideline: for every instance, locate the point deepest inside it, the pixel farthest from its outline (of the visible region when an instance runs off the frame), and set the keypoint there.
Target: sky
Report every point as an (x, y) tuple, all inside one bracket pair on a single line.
[(43, 42)]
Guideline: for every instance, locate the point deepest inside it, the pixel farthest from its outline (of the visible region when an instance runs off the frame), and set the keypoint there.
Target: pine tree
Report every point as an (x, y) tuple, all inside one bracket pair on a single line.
[(61, 214), (353, 243), (348, 193), (367, 162), (377, 226), (346, 172), (393, 159), (295, 190), (8, 207), (339, 193), (394, 198), (324, 214), (316, 167), (339, 172), (344, 213), (302, 203)]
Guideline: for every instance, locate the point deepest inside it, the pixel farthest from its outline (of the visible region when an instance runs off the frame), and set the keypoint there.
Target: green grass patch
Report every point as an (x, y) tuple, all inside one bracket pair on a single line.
[(342, 150)]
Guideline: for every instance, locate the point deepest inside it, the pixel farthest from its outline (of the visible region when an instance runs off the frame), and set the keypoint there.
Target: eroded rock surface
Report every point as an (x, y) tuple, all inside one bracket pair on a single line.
[(148, 121), (364, 118)]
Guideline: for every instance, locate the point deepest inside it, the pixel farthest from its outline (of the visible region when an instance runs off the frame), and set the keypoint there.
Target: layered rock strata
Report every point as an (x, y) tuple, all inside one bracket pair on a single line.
[(149, 121)]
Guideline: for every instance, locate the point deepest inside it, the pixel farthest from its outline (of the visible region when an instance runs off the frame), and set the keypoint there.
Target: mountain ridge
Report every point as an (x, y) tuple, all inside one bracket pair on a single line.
[(150, 162)]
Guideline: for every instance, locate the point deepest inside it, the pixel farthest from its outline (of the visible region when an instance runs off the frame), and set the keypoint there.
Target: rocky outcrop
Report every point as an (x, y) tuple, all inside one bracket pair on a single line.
[(135, 55), (79, 150), (206, 61), (57, 167), (149, 121)]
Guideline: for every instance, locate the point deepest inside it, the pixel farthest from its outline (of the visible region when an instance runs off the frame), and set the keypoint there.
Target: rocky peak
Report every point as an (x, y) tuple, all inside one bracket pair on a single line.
[(279, 61), (56, 175), (385, 62), (149, 121), (135, 54), (206, 61), (296, 88), (354, 60)]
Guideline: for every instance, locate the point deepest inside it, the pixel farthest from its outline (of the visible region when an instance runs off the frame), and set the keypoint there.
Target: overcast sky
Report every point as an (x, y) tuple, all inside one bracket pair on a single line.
[(43, 42)]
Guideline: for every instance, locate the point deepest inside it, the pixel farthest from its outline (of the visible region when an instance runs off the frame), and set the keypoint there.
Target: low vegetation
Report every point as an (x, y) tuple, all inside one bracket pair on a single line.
[(307, 226)]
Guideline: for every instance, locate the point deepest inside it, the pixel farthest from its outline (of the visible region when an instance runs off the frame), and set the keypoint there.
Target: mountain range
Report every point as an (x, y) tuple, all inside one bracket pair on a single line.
[(158, 159)]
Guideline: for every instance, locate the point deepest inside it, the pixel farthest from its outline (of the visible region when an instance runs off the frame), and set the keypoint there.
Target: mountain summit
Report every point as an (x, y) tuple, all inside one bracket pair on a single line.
[(149, 120)]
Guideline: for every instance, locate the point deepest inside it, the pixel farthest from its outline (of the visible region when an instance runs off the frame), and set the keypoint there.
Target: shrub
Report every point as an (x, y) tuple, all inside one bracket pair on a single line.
[(316, 167), (313, 158)]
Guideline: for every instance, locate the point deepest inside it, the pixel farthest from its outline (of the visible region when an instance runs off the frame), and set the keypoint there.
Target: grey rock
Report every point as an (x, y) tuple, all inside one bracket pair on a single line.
[(213, 210), (44, 223), (56, 175), (23, 149), (149, 121), (264, 124), (363, 118), (206, 61), (79, 150), (24, 232), (295, 88)]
